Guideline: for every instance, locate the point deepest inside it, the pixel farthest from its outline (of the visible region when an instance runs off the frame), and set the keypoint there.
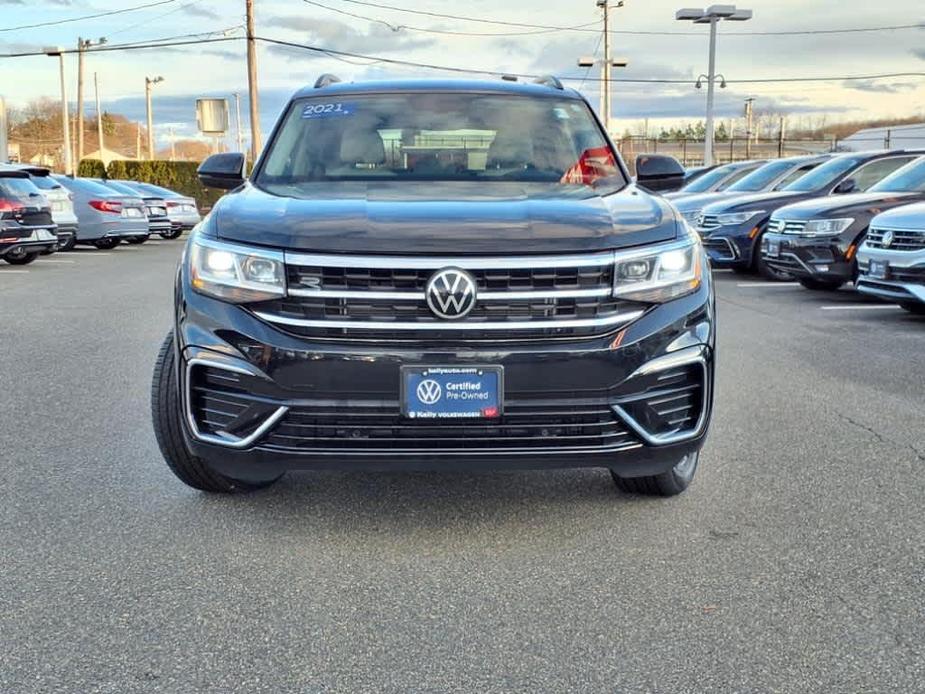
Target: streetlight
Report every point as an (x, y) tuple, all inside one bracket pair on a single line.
[(149, 82), (58, 52), (712, 16), (83, 45), (606, 103)]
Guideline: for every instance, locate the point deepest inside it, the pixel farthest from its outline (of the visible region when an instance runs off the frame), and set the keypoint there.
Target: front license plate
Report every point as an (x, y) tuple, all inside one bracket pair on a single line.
[(879, 270), (774, 249), (452, 392)]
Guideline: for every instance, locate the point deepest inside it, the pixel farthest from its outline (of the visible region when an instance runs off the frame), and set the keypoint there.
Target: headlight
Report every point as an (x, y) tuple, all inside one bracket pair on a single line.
[(235, 273), (659, 273), (737, 217), (827, 227), (692, 216)]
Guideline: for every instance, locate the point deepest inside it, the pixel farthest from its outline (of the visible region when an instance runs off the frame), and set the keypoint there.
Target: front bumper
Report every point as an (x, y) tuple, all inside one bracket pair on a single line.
[(730, 246), (634, 401), (823, 258), (905, 279)]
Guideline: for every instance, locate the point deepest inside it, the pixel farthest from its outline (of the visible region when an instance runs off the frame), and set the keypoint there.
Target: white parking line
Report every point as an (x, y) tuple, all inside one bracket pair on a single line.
[(43, 261), (861, 307), (768, 284), (4, 271)]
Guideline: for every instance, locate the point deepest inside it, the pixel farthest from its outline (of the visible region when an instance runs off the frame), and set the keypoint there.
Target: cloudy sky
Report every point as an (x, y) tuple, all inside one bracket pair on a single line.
[(219, 69)]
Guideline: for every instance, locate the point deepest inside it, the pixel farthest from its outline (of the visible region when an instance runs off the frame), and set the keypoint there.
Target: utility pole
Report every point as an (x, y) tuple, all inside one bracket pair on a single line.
[(237, 121), (82, 45), (99, 114), (173, 146), (748, 126), (605, 86), (58, 52), (252, 82), (149, 82)]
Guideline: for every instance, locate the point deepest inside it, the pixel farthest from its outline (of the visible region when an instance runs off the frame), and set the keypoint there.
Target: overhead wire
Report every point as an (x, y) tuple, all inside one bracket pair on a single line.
[(97, 15)]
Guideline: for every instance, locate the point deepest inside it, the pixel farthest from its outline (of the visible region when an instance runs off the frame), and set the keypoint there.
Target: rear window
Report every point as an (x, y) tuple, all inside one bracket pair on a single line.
[(45, 182), (18, 187), (438, 137), (85, 186)]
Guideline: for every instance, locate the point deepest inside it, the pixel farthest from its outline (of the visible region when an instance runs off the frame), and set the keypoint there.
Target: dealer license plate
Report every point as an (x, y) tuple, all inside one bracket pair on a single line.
[(879, 269), (774, 249), (452, 392)]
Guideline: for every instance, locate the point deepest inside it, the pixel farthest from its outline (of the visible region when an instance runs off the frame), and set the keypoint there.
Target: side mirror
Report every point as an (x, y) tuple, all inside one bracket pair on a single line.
[(659, 173), (849, 185), (224, 171)]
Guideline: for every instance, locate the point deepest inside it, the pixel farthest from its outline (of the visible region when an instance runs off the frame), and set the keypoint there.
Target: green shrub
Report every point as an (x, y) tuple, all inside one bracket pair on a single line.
[(179, 176), (91, 168)]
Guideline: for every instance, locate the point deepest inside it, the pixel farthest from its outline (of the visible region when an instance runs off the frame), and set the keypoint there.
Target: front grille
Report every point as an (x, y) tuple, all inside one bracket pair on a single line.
[(708, 222), (385, 297), (902, 239), (785, 261), (380, 426), (786, 226)]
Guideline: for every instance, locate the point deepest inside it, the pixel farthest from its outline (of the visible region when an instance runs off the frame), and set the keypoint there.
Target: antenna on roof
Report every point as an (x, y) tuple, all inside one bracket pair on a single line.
[(326, 80), (549, 81)]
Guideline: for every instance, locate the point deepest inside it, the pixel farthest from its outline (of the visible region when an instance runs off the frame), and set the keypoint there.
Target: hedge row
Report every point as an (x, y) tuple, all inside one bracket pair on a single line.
[(179, 176)]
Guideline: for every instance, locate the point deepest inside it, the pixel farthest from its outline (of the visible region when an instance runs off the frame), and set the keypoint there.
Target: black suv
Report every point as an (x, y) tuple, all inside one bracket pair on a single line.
[(436, 275), (817, 241), (26, 226)]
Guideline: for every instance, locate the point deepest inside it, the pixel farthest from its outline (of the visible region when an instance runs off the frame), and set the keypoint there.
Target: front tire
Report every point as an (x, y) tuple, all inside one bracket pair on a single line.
[(168, 430), (917, 309), (106, 244), (669, 483), (22, 258), (820, 285), (136, 240)]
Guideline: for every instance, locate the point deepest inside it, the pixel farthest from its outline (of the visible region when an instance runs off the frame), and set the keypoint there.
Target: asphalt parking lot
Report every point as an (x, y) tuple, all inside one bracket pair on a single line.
[(796, 561)]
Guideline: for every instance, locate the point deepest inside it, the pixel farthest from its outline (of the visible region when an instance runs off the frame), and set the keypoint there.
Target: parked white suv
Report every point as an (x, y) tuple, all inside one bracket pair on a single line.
[(61, 202), (891, 260)]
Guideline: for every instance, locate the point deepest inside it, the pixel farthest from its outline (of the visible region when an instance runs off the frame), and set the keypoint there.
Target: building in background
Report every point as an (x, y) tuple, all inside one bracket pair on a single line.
[(889, 137)]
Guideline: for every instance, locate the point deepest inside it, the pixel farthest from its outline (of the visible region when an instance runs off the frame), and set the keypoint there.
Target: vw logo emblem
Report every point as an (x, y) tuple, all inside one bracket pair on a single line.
[(887, 239), (429, 392), (451, 293)]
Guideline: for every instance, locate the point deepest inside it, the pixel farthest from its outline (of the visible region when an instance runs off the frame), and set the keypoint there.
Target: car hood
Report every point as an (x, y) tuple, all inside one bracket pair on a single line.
[(905, 217), (457, 218), (853, 204), (757, 201)]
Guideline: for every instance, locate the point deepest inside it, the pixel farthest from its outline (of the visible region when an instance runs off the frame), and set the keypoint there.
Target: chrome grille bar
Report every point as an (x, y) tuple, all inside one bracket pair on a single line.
[(436, 262)]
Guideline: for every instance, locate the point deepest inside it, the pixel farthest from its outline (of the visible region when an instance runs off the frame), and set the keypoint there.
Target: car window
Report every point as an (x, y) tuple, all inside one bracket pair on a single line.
[(120, 188), (438, 137), (84, 186), (18, 187), (876, 171), (824, 175), (908, 179), (706, 182), (736, 177), (45, 182), (796, 174), (760, 178)]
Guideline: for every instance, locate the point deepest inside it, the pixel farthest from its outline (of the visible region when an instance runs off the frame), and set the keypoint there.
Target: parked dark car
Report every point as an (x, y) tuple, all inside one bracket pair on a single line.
[(386, 293), (692, 173), (59, 199), (155, 209), (892, 258), (773, 175), (718, 178), (732, 230), (26, 227), (816, 241)]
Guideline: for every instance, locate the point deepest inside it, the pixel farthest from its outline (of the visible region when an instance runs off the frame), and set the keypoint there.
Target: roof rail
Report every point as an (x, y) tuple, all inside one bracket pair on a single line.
[(549, 81), (326, 80)]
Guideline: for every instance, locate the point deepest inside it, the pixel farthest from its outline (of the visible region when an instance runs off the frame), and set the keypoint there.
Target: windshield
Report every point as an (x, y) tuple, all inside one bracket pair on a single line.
[(706, 182), (908, 179), (762, 177), (438, 137), (824, 175)]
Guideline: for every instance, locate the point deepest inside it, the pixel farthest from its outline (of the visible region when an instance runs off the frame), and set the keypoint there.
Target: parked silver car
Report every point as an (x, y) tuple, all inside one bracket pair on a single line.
[(891, 261), (181, 209), (60, 201), (105, 217), (155, 209)]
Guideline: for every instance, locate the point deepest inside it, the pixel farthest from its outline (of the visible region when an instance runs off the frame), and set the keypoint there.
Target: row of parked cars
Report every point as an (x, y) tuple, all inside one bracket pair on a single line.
[(825, 220), (42, 212)]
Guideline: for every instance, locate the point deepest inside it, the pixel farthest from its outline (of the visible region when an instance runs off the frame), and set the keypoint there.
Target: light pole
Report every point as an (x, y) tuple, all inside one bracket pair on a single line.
[(149, 82), (99, 114), (712, 16), (237, 121), (82, 45), (58, 52)]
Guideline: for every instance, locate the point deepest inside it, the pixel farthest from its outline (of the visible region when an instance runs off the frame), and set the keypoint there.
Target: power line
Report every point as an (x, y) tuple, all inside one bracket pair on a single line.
[(583, 28), (399, 27), (153, 43), (108, 13)]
